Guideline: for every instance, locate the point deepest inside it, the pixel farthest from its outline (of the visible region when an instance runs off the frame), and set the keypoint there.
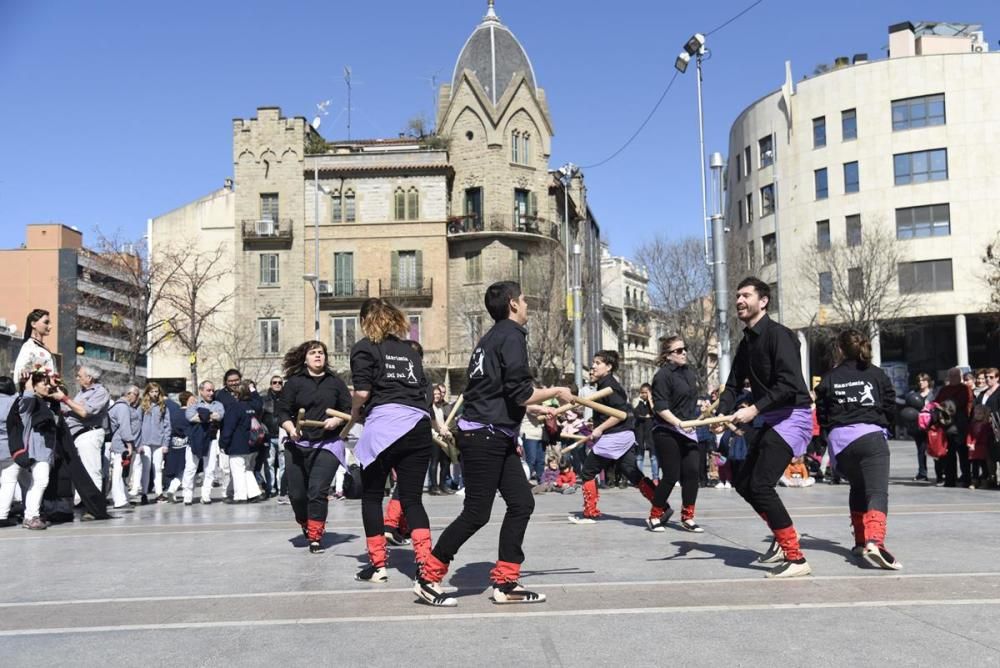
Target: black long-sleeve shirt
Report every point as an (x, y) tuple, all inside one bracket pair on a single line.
[(617, 399), (499, 377), (769, 356), (851, 394), (392, 371), (315, 394), (675, 389)]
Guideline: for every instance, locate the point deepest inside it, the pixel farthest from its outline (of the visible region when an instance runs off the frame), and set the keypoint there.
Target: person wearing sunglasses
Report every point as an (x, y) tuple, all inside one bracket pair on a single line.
[(274, 481), (675, 399)]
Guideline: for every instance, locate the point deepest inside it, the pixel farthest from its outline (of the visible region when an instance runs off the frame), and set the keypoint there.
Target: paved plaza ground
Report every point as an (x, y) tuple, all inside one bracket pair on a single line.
[(235, 586)]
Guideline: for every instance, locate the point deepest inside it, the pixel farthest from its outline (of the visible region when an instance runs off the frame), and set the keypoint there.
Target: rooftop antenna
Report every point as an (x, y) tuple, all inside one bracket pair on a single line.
[(347, 79), (321, 110)]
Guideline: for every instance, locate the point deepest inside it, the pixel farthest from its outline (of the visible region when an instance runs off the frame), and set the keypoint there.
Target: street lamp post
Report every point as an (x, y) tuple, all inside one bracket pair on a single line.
[(573, 288), (695, 47)]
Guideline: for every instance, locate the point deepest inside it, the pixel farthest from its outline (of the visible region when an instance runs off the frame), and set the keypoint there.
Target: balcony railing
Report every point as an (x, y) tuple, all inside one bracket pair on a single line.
[(268, 233), (503, 222), (407, 289), (342, 291)]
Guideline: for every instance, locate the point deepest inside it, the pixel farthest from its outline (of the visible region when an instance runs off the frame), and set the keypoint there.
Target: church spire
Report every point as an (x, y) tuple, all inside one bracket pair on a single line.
[(491, 14)]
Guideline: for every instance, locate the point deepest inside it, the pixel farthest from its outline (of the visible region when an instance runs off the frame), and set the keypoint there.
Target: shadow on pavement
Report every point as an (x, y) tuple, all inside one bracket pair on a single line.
[(328, 541), (731, 556), (809, 542)]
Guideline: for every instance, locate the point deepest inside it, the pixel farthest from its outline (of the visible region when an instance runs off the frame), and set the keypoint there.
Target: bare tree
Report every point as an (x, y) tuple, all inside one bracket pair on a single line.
[(126, 288), (680, 290), (856, 283), (991, 275), (232, 345), (193, 300), (550, 329)]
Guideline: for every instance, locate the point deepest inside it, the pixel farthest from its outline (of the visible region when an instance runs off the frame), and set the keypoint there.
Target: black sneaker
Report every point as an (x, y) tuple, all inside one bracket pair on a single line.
[(394, 536), (692, 526), (315, 547), (919, 478), (659, 525), (513, 592), (880, 557), (773, 555), (371, 573), (431, 593)]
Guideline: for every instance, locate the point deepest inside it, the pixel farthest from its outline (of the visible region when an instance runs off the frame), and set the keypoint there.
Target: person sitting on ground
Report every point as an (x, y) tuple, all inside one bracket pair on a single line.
[(555, 478), (797, 475)]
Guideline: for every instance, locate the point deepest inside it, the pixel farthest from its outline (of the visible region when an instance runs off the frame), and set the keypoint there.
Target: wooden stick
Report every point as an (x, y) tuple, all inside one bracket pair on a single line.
[(454, 411), (600, 408), (709, 410), (346, 431), (573, 437), (303, 422), (704, 422), (448, 448), (337, 414), (600, 394), (570, 448)]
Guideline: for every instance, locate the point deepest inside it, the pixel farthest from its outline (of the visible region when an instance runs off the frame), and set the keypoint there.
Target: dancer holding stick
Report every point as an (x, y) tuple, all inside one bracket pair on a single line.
[(499, 387), (768, 355)]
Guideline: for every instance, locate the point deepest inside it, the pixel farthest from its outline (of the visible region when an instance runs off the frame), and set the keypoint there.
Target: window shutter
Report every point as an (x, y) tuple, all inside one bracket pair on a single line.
[(533, 204), (420, 269), (394, 276)]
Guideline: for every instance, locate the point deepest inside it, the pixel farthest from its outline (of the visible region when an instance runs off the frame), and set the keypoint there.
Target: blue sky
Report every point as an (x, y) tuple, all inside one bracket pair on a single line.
[(115, 111)]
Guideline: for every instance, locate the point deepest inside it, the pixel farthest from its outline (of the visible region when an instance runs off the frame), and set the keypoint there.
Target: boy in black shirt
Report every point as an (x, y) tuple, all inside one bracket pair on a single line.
[(499, 388), (613, 440)]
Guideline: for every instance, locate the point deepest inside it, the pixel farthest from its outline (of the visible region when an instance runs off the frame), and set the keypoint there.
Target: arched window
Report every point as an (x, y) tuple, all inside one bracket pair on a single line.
[(413, 204), (350, 212), (526, 149), (399, 204), (515, 146), (336, 207)]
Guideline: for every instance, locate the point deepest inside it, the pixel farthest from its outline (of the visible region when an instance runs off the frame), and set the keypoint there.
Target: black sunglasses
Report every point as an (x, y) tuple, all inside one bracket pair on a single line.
[(277, 382), (677, 350)]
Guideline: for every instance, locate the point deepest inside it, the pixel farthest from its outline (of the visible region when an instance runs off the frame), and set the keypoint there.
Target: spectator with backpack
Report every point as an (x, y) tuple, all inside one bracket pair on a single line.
[(10, 473), (241, 435)]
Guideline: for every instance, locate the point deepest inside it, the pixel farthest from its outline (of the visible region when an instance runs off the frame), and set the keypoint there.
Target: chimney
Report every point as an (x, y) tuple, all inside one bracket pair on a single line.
[(902, 41), (228, 184), (860, 58), (841, 61)]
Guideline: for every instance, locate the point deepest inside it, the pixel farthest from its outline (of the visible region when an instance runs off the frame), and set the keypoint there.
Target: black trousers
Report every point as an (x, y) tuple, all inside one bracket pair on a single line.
[(920, 438), (439, 464), (489, 463), (768, 457), (957, 459), (679, 460), (865, 464), (310, 472), (408, 456), (595, 463)]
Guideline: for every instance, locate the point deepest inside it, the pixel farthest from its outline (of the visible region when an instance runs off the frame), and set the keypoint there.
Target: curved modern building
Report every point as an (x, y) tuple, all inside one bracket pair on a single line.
[(903, 148)]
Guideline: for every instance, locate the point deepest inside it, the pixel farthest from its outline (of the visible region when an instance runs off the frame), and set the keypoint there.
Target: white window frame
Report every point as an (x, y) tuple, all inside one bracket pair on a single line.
[(269, 335)]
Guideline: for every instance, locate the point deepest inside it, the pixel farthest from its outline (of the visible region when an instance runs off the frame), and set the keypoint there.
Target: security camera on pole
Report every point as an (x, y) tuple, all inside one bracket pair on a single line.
[(716, 257)]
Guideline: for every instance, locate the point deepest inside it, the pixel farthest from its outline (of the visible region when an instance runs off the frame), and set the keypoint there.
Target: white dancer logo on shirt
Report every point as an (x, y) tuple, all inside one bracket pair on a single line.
[(411, 376), (861, 393), (478, 360), (867, 398)]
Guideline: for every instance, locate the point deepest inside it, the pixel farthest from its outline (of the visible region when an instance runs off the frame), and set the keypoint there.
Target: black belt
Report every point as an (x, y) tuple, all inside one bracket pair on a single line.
[(84, 431)]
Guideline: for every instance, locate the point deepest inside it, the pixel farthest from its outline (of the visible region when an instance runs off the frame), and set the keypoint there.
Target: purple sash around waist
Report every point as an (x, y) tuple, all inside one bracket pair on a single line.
[(660, 423), (614, 445), (841, 437), (794, 425), (385, 425)]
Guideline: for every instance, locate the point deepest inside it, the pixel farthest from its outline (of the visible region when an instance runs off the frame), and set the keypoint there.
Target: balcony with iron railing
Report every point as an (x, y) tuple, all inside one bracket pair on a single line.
[(408, 291), (340, 293), (503, 223), (267, 234)]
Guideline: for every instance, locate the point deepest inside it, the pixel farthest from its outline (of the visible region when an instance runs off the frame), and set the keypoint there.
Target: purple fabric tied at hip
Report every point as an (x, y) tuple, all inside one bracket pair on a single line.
[(841, 437), (793, 425), (385, 425), (614, 445), (662, 424), (333, 445), (467, 425)]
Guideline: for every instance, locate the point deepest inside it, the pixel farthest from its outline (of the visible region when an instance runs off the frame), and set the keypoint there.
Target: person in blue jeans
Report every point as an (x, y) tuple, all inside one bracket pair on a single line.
[(532, 427)]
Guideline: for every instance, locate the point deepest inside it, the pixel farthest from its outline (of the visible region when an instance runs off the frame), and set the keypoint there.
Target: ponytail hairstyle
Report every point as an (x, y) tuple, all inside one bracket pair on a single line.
[(855, 346), (380, 320), (609, 357)]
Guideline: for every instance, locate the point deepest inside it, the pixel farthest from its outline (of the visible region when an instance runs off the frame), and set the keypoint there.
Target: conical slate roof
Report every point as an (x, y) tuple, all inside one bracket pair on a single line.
[(494, 55)]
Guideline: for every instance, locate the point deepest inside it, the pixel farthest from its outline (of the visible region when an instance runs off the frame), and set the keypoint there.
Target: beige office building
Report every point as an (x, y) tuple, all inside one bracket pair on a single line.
[(906, 144)]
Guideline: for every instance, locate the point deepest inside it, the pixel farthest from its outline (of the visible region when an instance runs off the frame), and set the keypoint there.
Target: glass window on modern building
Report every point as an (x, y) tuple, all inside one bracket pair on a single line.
[(852, 230), (766, 146), (925, 276), (920, 166), (823, 235), (855, 283), (770, 248), (269, 330), (268, 269), (825, 287), (918, 112), (749, 208), (767, 203), (819, 132), (917, 222), (852, 181), (746, 161), (849, 124), (822, 183)]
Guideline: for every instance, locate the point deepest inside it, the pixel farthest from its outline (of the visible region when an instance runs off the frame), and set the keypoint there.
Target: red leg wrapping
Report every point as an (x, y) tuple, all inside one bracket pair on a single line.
[(647, 489), (315, 529), (789, 542), (687, 513), (376, 550), (655, 512), (421, 545), (875, 527), (590, 496), (858, 524), (505, 571), (393, 513), (433, 569)]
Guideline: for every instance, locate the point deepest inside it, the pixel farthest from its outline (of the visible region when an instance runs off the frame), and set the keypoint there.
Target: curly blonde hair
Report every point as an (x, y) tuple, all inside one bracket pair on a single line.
[(147, 401), (380, 320)]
